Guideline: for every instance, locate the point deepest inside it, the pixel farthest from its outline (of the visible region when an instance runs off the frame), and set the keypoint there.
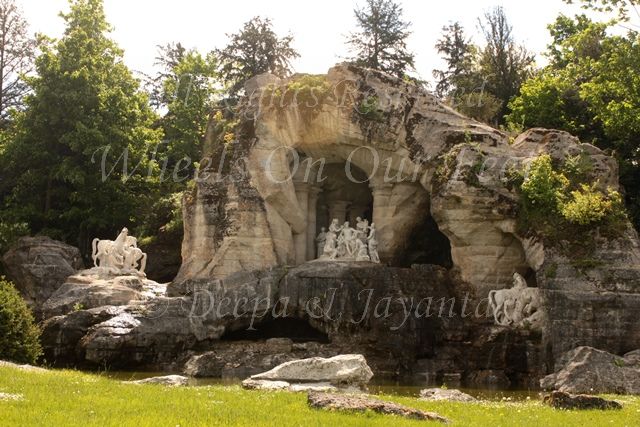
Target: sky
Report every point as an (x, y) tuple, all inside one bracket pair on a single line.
[(319, 27)]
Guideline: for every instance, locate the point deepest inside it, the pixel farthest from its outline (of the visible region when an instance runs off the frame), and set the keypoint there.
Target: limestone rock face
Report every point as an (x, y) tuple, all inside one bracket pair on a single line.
[(90, 289), (253, 208), (592, 371), (343, 369), (38, 266)]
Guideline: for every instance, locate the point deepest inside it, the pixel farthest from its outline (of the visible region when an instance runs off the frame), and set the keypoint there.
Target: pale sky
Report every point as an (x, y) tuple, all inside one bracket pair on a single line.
[(318, 26)]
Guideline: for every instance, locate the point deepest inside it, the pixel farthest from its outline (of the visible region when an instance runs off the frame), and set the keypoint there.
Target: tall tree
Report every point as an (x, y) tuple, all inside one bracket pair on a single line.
[(188, 92), (381, 41), (254, 50), (462, 84), (84, 103), (459, 54), (504, 64), (16, 58)]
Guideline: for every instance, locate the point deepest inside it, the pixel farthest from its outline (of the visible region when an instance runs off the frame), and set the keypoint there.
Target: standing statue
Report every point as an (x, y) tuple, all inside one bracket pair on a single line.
[(320, 241), (373, 244), (120, 256), (347, 241), (518, 306)]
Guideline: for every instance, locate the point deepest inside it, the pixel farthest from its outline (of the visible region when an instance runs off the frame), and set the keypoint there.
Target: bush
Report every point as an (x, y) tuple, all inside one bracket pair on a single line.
[(588, 205), (19, 335), (543, 187)]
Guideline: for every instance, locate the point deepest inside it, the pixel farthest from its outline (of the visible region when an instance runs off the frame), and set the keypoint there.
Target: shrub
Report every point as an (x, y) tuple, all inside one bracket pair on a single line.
[(588, 205), (543, 187), (19, 335)]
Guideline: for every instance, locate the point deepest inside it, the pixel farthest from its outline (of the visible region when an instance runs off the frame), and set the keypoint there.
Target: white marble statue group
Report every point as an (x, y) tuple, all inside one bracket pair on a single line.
[(518, 306), (342, 242), (120, 256)]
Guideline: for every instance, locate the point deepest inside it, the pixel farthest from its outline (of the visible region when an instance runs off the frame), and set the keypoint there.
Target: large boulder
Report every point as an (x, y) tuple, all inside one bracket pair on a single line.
[(588, 370), (346, 369), (90, 289), (38, 266)]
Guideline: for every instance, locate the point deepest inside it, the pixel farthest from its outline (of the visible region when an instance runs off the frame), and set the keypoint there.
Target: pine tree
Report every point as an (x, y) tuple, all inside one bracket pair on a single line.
[(254, 50), (381, 42)]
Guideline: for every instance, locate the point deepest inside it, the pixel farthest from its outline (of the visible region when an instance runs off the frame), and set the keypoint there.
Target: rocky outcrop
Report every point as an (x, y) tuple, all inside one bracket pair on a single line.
[(562, 400), (588, 370), (347, 369), (406, 322), (38, 266), (350, 403), (242, 359), (93, 288), (441, 394), (167, 380)]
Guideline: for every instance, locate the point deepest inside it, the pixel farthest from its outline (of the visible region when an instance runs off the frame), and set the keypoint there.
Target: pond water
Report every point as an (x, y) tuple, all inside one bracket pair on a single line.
[(375, 387)]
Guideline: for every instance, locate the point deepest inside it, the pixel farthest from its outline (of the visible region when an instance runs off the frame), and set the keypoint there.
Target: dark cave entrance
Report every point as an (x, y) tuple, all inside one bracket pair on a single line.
[(427, 245), (296, 330)]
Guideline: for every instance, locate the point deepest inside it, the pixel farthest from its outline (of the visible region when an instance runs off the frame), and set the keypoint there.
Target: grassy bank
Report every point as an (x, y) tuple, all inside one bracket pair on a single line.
[(65, 398)]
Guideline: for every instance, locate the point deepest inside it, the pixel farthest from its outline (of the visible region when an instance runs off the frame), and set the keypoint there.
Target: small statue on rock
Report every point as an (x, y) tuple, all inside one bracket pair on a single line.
[(120, 256)]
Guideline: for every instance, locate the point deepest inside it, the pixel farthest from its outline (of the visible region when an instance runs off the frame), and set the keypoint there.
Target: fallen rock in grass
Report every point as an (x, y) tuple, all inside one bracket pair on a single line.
[(341, 402), (439, 394), (589, 370), (169, 380), (346, 369), (29, 368), (251, 384), (562, 400), (6, 397)]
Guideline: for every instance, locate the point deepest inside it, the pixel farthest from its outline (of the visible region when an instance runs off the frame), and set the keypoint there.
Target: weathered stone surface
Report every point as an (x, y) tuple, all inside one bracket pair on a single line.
[(562, 400), (451, 395), (251, 384), (30, 368), (245, 358), (350, 403), (588, 370), (92, 288), (343, 369), (38, 266), (168, 380)]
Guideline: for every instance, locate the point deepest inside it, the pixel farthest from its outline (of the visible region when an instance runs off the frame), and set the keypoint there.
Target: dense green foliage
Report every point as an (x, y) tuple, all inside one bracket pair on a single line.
[(92, 400), (381, 40), (480, 81), (85, 104), (254, 50), (591, 88), (557, 208), (19, 335)]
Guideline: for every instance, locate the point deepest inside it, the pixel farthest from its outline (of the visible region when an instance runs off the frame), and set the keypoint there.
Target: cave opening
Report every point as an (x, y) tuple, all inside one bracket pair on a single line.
[(428, 245), (296, 330)]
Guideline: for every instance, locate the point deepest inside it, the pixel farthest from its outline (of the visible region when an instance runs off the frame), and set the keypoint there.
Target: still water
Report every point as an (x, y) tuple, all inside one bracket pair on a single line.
[(375, 387)]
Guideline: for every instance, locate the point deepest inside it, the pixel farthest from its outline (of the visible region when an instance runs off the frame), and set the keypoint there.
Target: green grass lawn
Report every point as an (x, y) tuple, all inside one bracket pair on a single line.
[(69, 398)]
